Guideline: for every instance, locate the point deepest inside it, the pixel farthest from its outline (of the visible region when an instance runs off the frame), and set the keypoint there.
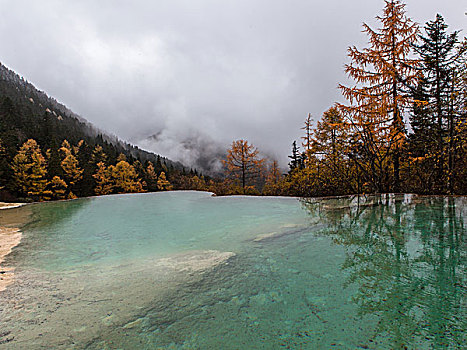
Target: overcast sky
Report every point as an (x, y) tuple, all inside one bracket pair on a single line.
[(210, 69)]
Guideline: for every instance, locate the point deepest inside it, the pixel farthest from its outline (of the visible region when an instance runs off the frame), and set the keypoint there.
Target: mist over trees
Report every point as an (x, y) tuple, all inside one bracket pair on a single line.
[(48, 152)]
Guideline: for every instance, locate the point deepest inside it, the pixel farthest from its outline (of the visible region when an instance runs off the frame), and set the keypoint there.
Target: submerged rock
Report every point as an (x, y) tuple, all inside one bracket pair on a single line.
[(289, 229), (265, 236), (195, 260)]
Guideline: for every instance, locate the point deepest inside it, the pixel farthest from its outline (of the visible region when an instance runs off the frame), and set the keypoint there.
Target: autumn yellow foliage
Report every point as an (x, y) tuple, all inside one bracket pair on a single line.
[(29, 170), (163, 184), (243, 162)]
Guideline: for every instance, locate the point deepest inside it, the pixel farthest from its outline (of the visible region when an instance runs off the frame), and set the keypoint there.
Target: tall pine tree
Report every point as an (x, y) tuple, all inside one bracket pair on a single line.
[(432, 118), (379, 97)]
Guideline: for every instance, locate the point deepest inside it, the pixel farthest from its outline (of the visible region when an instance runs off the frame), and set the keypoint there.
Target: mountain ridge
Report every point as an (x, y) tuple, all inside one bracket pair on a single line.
[(22, 92)]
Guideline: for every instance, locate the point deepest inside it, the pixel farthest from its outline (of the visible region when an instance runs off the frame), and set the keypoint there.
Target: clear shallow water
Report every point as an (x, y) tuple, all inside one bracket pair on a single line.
[(152, 270)]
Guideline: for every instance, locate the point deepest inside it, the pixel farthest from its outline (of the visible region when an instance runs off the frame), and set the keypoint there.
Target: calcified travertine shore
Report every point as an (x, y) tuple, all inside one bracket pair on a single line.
[(10, 237), (4, 205)]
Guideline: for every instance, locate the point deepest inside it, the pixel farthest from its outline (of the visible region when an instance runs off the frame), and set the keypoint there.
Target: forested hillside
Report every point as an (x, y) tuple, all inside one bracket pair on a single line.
[(49, 152)]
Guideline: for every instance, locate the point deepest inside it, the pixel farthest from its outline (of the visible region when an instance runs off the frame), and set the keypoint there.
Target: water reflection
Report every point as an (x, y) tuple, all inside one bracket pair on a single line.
[(46, 215), (407, 256), (44, 230)]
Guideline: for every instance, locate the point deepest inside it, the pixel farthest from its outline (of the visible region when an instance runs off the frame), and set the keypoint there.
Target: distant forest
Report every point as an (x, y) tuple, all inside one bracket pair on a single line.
[(403, 129)]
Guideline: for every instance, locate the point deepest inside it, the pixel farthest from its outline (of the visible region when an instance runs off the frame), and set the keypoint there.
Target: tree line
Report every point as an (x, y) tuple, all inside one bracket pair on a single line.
[(71, 171), (403, 128)]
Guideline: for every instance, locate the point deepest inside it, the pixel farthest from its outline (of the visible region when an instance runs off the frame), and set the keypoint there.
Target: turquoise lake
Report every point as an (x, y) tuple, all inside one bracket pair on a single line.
[(186, 270)]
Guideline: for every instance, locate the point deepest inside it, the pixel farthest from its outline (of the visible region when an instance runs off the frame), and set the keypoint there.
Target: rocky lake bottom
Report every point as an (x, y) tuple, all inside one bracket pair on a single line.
[(184, 270)]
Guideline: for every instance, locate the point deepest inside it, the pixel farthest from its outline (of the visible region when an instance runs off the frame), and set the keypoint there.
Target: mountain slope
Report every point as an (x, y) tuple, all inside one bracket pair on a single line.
[(27, 113)]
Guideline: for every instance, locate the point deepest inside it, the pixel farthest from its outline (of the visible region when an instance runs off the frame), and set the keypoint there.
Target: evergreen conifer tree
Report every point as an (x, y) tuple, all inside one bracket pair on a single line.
[(297, 158), (432, 114)]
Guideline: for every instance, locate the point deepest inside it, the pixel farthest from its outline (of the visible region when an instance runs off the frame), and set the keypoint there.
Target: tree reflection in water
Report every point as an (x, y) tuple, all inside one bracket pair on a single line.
[(407, 256)]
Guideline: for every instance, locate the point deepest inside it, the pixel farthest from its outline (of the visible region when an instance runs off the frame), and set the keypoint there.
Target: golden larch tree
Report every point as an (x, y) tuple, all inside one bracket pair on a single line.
[(98, 155), (197, 183), (243, 162), (328, 153), (70, 166), (65, 149), (58, 188), (379, 97), (73, 173), (274, 173), (163, 184), (151, 177), (30, 170), (121, 157), (124, 178), (329, 138), (103, 180), (273, 177)]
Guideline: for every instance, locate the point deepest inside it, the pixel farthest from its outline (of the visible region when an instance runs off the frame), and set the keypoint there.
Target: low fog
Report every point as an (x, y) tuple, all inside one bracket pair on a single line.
[(185, 78)]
